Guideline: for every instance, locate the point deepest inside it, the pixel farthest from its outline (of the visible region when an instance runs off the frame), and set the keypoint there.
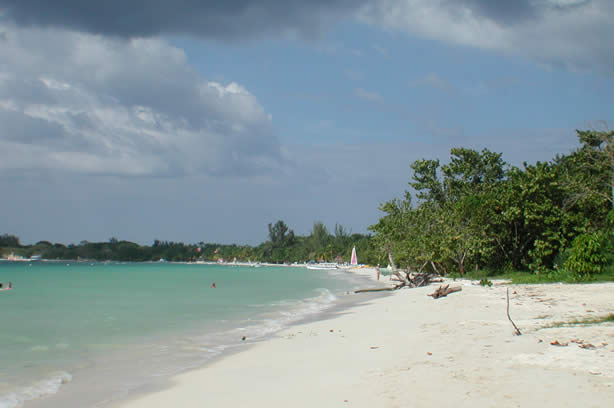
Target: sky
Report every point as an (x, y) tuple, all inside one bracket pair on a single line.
[(195, 120)]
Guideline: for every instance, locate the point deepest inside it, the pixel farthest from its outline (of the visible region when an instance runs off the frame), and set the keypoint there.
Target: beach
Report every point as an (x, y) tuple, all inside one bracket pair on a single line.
[(410, 350)]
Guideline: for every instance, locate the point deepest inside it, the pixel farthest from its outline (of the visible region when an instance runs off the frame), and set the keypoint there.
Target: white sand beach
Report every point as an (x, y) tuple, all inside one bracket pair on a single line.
[(409, 350)]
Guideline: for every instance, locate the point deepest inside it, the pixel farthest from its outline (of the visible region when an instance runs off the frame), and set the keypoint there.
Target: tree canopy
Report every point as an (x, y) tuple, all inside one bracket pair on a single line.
[(476, 211)]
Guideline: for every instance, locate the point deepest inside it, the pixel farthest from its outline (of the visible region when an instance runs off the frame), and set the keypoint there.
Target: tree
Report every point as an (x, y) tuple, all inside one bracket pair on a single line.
[(597, 153), (586, 255), (588, 175), (426, 181), (280, 235), (319, 237), (476, 210), (7, 240), (470, 172)]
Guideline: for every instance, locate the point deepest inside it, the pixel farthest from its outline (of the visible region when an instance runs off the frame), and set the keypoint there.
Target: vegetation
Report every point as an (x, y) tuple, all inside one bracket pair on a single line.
[(583, 322), (553, 220), (475, 216), (283, 246)]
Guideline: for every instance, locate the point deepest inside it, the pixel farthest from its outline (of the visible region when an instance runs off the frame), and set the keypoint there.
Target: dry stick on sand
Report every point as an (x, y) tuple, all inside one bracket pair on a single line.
[(444, 290), (508, 313)]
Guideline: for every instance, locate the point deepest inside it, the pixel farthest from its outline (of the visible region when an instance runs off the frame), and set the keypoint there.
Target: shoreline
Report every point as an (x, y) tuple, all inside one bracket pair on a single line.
[(407, 349), (77, 390)]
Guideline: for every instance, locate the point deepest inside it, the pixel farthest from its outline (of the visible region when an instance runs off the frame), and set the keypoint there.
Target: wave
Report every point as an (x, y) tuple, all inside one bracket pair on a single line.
[(285, 313), (47, 386)]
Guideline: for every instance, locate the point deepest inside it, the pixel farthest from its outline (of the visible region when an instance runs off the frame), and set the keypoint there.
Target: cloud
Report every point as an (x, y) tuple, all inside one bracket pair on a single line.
[(206, 18), (85, 103), (569, 33), (432, 80), (382, 51), (369, 96), (354, 75)]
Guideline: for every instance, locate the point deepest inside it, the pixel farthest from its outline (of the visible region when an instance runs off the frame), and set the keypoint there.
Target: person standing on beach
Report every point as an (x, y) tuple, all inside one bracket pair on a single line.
[(377, 271)]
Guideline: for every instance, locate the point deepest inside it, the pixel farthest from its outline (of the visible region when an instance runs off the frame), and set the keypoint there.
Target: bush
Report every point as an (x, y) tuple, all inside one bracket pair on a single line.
[(586, 255)]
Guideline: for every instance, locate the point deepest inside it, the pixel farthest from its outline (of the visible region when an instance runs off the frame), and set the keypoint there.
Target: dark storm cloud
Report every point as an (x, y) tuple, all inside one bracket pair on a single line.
[(513, 11), (144, 18), (505, 11)]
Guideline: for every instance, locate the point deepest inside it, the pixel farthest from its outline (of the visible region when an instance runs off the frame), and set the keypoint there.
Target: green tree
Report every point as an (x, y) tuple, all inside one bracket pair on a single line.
[(280, 235), (586, 256), (8, 240), (319, 238)]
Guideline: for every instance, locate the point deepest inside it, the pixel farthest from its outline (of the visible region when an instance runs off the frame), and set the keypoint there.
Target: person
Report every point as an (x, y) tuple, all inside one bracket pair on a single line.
[(0, 285), (377, 270), (213, 285)]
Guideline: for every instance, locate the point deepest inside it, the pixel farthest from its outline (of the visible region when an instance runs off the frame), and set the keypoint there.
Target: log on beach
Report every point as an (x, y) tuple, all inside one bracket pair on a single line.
[(444, 290), (375, 290)]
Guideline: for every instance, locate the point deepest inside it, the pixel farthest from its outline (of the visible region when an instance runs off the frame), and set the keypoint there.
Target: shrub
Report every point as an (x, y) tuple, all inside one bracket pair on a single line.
[(586, 256)]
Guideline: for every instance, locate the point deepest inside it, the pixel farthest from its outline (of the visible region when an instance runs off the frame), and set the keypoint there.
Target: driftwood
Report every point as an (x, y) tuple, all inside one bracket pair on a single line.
[(375, 290), (508, 313), (405, 279), (444, 290)]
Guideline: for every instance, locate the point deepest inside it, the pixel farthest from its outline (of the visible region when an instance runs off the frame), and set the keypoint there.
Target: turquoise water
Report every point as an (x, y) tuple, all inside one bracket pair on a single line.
[(82, 334)]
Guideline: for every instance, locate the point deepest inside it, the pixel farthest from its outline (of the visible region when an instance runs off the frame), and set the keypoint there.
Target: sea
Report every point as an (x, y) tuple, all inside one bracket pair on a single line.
[(87, 334)]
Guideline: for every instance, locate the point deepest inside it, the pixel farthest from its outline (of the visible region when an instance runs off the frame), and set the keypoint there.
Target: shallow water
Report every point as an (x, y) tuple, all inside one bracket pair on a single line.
[(89, 333)]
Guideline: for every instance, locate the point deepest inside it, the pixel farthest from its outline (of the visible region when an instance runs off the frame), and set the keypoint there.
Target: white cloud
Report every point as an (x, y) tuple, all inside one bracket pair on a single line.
[(96, 105), (574, 34), (368, 95)]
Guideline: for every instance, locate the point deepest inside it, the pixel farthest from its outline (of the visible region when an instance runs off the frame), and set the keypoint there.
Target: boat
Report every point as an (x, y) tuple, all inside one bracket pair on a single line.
[(323, 266), (354, 261)]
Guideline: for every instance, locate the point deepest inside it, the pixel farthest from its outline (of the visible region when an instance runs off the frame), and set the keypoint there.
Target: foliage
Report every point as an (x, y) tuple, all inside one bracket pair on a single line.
[(586, 255), (7, 240), (283, 246), (485, 282), (477, 212)]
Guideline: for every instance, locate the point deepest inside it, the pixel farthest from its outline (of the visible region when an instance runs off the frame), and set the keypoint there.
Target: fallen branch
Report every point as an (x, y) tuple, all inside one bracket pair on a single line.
[(375, 290), (444, 290), (410, 280), (406, 279), (508, 313)]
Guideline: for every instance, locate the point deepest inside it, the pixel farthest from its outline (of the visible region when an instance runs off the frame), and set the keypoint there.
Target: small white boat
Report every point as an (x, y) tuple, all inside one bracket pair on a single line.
[(323, 266)]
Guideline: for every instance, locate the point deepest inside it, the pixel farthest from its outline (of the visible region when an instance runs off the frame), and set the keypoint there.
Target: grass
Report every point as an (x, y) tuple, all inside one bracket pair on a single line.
[(525, 277), (583, 322)]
